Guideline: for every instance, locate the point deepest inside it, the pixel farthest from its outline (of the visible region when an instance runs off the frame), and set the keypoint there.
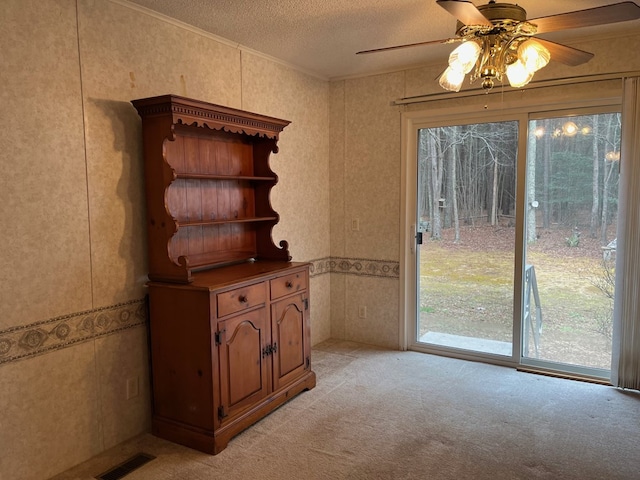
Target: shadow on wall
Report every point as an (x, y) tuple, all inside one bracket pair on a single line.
[(129, 200)]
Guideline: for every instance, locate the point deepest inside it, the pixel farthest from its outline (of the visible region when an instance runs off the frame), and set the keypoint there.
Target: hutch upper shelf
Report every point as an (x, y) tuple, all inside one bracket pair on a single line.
[(208, 184)]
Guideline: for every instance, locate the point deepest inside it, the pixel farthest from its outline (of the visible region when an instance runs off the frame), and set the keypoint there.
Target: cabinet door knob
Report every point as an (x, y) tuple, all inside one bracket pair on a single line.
[(243, 299), (289, 284)]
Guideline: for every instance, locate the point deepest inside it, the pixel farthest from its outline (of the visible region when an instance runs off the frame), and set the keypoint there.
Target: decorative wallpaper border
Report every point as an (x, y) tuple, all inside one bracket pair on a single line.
[(17, 343), (355, 266)]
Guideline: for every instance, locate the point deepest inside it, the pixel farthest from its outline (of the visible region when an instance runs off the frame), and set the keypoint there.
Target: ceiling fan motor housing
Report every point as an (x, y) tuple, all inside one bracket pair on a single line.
[(498, 12)]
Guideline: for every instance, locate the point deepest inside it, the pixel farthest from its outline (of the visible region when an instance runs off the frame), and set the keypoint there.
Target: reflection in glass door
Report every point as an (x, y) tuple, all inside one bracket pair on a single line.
[(466, 216), (571, 218)]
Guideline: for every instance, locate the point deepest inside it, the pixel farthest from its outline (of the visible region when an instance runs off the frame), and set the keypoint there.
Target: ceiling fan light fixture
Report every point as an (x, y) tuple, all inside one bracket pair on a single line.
[(465, 56), (451, 79), (498, 35)]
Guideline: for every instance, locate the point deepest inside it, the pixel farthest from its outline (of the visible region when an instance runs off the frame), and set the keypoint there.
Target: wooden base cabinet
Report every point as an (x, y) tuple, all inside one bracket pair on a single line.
[(227, 349)]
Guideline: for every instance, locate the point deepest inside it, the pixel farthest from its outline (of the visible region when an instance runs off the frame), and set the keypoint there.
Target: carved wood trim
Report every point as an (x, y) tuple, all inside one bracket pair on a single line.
[(215, 117)]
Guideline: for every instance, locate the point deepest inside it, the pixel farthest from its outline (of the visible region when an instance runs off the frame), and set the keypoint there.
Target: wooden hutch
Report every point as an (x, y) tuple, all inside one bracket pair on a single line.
[(229, 311)]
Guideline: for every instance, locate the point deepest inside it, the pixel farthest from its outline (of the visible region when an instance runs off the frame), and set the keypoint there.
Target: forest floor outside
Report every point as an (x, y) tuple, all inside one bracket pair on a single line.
[(466, 289)]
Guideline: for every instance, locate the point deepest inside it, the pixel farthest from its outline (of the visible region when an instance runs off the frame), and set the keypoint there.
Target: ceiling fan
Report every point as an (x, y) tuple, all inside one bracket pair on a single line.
[(498, 40)]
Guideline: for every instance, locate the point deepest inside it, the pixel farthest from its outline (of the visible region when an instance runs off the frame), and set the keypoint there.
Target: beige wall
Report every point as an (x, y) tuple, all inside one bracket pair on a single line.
[(365, 189), (365, 174), (72, 317)]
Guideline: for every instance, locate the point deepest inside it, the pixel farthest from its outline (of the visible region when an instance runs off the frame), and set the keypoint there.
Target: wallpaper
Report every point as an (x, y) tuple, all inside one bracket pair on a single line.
[(22, 342)]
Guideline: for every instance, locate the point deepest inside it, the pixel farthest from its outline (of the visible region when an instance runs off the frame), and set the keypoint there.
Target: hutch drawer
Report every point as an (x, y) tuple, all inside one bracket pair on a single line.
[(241, 299), (288, 284)]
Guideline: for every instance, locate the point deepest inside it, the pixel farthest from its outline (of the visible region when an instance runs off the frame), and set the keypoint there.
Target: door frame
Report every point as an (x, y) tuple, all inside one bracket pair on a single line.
[(411, 122)]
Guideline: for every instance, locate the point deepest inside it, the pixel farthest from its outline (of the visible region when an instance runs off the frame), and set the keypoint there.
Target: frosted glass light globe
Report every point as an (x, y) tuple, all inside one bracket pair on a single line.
[(518, 74), (533, 55), (464, 57), (451, 79)]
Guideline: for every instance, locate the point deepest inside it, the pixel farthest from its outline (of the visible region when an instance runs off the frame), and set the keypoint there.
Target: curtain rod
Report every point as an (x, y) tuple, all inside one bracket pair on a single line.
[(533, 85)]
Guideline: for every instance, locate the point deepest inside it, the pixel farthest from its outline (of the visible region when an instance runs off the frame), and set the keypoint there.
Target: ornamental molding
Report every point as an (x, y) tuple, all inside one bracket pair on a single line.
[(17, 343), (195, 113), (355, 266)]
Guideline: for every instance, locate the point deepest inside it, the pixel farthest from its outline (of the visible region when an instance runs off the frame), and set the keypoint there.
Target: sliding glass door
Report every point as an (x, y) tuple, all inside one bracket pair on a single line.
[(522, 275), (570, 242), (466, 202)]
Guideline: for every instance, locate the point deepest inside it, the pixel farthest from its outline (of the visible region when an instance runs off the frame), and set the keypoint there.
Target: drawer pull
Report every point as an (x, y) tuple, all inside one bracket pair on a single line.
[(243, 299), (289, 284)]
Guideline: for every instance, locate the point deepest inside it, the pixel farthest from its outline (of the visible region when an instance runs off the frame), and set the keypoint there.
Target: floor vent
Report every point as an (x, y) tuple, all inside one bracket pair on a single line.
[(126, 467)]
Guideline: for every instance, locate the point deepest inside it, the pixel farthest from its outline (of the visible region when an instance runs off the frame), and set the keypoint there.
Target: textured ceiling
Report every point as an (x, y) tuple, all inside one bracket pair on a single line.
[(322, 36)]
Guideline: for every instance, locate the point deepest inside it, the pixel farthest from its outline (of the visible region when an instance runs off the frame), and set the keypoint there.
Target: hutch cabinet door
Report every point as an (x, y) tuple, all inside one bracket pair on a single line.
[(290, 344), (244, 379)]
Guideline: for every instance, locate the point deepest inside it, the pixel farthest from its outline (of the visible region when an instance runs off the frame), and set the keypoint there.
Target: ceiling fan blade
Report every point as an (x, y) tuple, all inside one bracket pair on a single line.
[(396, 47), (618, 12), (464, 11), (565, 54)]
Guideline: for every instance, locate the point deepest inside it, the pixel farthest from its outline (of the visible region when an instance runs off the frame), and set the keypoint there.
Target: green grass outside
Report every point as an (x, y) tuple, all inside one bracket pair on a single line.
[(470, 293)]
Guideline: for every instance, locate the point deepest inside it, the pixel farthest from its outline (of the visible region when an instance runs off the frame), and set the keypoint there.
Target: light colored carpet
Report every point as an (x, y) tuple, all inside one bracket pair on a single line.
[(380, 414)]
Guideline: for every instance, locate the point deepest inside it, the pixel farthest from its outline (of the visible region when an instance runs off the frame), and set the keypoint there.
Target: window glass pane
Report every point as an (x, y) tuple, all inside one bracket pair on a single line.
[(572, 206), (466, 208)]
